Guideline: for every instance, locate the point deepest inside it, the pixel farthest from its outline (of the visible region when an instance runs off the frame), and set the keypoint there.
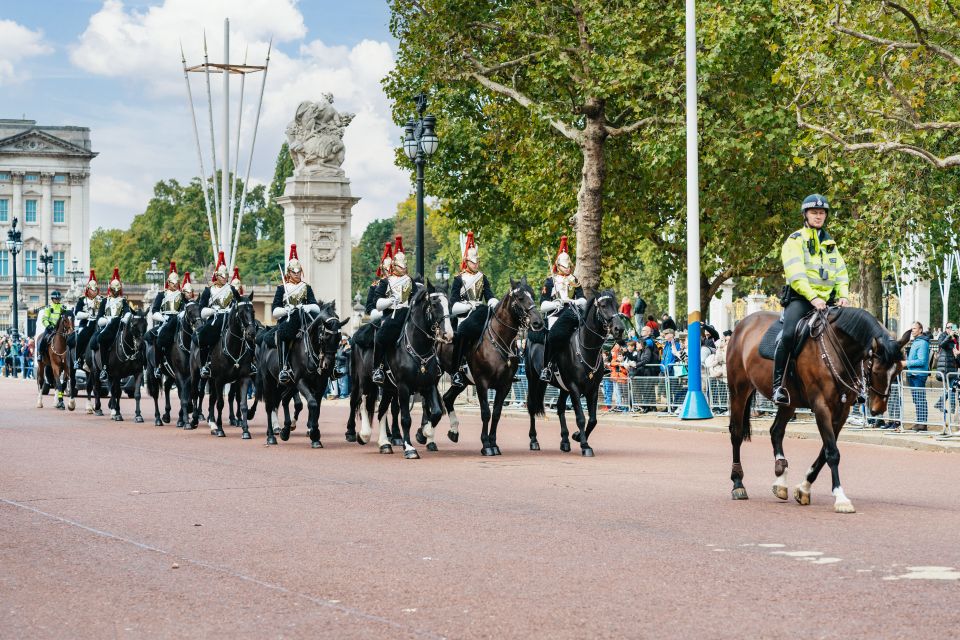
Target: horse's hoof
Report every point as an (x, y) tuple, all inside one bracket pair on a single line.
[(844, 507), (575, 435), (411, 454), (271, 440), (422, 439), (454, 436), (61, 407), (39, 404), (220, 434), (385, 448), (192, 425), (89, 411), (138, 419), (118, 418), (245, 436), (361, 441), (780, 491), (233, 422), (316, 445), (565, 447), (293, 426), (801, 496), (487, 451), (432, 447), (165, 418), (98, 412), (397, 442), (285, 434), (587, 452), (71, 405), (351, 437), (157, 422), (534, 446), (740, 493), (780, 466), (180, 424)]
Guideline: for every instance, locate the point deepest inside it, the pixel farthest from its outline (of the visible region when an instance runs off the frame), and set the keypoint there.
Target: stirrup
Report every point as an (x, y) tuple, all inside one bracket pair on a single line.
[(157, 371), (205, 371), (781, 396), (378, 376), (104, 376), (459, 378), (547, 374), (285, 376)]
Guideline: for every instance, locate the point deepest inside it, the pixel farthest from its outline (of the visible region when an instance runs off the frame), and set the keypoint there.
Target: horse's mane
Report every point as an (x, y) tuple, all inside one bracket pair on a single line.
[(861, 327)]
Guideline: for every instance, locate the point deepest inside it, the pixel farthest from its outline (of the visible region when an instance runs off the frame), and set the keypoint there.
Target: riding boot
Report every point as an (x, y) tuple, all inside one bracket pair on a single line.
[(780, 360), (205, 358), (285, 376), (377, 376), (459, 378)]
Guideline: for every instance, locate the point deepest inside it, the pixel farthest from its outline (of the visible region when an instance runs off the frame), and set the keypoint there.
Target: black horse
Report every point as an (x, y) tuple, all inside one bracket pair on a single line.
[(413, 365), (580, 367), (311, 359), (493, 362), (231, 360), (364, 393), (124, 358), (176, 370)]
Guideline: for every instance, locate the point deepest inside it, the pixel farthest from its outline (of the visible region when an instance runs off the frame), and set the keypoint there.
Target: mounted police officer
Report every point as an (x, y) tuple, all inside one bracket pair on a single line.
[(215, 302), (393, 300), (289, 298), (112, 309), (49, 317), (816, 276), (166, 307), (383, 270), (560, 294), (88, 305), (470, 296)]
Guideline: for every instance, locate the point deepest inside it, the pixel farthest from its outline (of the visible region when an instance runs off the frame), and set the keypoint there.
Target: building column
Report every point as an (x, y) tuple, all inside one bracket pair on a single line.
[(755, 302), (46, 209), (79, 220), (672, 297), (16, 207), (720, 307)]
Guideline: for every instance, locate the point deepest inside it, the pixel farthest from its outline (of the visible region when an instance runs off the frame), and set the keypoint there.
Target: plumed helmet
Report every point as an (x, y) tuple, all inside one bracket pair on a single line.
[(115, 286), (235, 281), (386, 260), (173, 279), (814, 201), (186, 286), (399, 257), (470, 252), (92, 284), (293, 262), (563, 257), (220, 271)]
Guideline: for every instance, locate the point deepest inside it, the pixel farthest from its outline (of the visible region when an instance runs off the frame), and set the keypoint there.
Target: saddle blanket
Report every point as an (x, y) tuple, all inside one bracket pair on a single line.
[(768, 344)]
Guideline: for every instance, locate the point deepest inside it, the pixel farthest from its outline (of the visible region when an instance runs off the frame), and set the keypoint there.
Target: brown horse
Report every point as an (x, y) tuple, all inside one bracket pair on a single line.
[(56, 365), (848, 355)]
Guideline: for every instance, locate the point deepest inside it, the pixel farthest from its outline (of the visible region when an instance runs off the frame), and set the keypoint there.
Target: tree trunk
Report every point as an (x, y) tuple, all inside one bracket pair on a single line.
[(873, 300), (590, 197)]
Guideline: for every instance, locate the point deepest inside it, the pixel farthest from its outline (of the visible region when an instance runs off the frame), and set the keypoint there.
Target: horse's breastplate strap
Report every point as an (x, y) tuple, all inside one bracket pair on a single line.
[(472, 289), (563, 287), (400, 288), (114, 307), (296, 293), (220, 297), (172, 301)]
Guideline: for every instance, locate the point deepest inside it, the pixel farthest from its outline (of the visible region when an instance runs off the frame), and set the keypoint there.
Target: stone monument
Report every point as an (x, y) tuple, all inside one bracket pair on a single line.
[(317, 202)]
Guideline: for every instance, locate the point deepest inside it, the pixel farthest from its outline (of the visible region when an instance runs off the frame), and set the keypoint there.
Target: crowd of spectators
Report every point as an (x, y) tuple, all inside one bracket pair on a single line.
[(16, 356)]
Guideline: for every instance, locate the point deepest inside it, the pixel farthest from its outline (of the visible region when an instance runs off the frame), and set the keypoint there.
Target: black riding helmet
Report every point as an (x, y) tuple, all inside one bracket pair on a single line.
[(814, 201), (55, 295)]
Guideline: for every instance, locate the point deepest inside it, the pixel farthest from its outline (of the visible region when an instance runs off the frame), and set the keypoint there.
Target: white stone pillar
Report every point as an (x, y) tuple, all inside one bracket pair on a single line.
[(79, 221), (720, 308), (755, 302), (914, 304), (46, 209), (16, 210), (672, 297)]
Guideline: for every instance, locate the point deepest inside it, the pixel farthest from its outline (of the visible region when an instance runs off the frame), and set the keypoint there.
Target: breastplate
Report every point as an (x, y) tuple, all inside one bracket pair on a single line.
[(92, 305), (114, 307), (472, 288), (296, 293), (562, 287), (400, 288), (220, 297), (172, 301)]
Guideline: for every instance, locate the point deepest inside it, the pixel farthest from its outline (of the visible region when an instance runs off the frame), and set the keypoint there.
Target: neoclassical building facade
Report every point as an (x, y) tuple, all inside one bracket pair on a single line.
[(45, 185)]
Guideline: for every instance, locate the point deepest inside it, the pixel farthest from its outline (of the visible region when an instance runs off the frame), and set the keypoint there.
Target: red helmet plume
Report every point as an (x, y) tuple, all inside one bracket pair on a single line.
[(115, 284), (563, 255), (221, 268), (386, 260), (470, 253)]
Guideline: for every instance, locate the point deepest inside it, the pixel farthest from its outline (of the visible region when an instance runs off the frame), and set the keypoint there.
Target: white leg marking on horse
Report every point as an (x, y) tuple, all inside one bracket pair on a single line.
[(428, 430), (365, 428), (408, 447), (780, 486), (383, 432), (779, 456), (454, 421), (39, 401), (805, 486), (842, 504)]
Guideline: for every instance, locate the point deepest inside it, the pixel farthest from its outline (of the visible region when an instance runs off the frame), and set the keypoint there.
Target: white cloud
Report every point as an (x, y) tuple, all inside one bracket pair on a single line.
[(154, 140), (16, 44)]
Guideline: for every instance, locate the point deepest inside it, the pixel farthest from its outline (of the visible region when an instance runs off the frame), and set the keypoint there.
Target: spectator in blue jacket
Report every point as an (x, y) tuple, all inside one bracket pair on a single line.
[(917, 365)]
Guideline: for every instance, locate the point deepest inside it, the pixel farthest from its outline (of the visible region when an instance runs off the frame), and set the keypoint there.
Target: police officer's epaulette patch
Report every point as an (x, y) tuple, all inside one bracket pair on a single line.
[(795, 234)]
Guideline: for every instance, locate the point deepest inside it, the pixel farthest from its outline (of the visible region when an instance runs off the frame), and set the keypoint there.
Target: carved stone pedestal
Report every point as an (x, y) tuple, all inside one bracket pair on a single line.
[(316, 216)]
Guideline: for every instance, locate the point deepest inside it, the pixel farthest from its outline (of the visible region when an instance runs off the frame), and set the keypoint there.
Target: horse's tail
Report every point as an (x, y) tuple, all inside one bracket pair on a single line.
[(535, 393)]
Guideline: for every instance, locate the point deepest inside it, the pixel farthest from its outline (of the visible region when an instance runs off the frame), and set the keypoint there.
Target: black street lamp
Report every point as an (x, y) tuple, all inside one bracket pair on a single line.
[(887, 284), (154, 276), (15, 246), (74, 272), (419, 142), (46, 260), (443, 273)]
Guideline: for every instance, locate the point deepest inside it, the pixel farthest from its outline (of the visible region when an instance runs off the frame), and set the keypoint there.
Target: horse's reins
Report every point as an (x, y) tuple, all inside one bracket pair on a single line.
[(578, 343), (183, 330), (822, 331), (408, 345), (122, 350), (229, 332), (66, 337), (508, 351)]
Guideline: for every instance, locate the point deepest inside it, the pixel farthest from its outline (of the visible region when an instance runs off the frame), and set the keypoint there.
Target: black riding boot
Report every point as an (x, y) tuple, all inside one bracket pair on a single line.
[(205, 358), (285, 376), (780, 360), (158, 357), (546, 374), (459, 378), (377, 376)]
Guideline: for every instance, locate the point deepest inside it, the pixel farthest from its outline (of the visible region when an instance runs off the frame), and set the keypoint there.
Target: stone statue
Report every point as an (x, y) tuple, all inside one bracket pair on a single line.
[(315, 138)]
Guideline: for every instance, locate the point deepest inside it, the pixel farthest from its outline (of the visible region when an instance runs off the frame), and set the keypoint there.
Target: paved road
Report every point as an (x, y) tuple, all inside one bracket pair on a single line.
[(131, 531)]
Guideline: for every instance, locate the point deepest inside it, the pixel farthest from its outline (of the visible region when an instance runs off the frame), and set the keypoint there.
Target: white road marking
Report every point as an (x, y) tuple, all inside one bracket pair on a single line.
[(928, 573), (772, 545), (797, 554)]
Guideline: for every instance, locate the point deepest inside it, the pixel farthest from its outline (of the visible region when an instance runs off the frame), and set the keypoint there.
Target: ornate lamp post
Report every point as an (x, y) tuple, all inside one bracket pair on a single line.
[(45, 261), (442, 274), (419, 142), (154, 277), (15, 246), (74, 272)]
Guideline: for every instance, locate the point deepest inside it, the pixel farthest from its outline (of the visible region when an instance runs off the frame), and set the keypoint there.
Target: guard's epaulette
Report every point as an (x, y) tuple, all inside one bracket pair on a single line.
[(374, 283), (795, 234)]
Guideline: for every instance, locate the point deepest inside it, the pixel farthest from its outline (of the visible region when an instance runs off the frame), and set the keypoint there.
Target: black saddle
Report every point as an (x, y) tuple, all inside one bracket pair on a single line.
[(768, 344)]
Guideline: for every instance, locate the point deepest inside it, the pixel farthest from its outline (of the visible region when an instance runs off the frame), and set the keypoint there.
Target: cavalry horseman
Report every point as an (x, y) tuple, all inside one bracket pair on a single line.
[(561, 292), (290, 296), (816, 277), (393, 300), (215, 302), (167, 304), (470, 295), (112, 308), (88, 305), (186, 288), (235, 281), (383, 270), (49, 317)]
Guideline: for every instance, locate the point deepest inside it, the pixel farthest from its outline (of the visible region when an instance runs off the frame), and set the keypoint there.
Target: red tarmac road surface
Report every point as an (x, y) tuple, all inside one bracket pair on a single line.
[(130, 531)]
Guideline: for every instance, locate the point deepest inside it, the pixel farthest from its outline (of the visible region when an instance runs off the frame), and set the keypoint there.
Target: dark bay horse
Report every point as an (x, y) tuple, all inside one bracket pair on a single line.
[(177, 369), (581, 371), (848, 355), (125, 358), (56, 364), (493, 362)]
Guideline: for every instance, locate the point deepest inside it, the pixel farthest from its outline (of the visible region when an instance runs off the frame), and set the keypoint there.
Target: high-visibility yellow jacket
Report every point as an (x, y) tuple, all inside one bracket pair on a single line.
[(51, 315), (812, 265)]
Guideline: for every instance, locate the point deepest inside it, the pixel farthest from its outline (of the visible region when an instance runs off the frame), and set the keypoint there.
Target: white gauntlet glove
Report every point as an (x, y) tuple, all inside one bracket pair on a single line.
[(281, 312), (549, 306), (460, 308), (385, 303), (207, 312)]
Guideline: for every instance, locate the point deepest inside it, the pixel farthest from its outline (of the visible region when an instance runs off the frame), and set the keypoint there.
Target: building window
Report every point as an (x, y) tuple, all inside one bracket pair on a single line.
[(30, 210), (4, 176), (4, 209), (34, 299), (30, 263), (4, 299), (58, 264), (58, 211), (32, 177), (60, 178), (4, 265)]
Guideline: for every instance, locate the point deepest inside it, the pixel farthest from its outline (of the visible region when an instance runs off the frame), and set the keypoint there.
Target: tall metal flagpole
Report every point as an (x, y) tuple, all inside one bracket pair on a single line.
[(196, 139), (236, 160), (695, 405), (225, 175), (213, 145)]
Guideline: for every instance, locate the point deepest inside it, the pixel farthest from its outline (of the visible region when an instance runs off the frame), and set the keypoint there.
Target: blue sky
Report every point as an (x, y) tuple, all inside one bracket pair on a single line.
[(113, 65)]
